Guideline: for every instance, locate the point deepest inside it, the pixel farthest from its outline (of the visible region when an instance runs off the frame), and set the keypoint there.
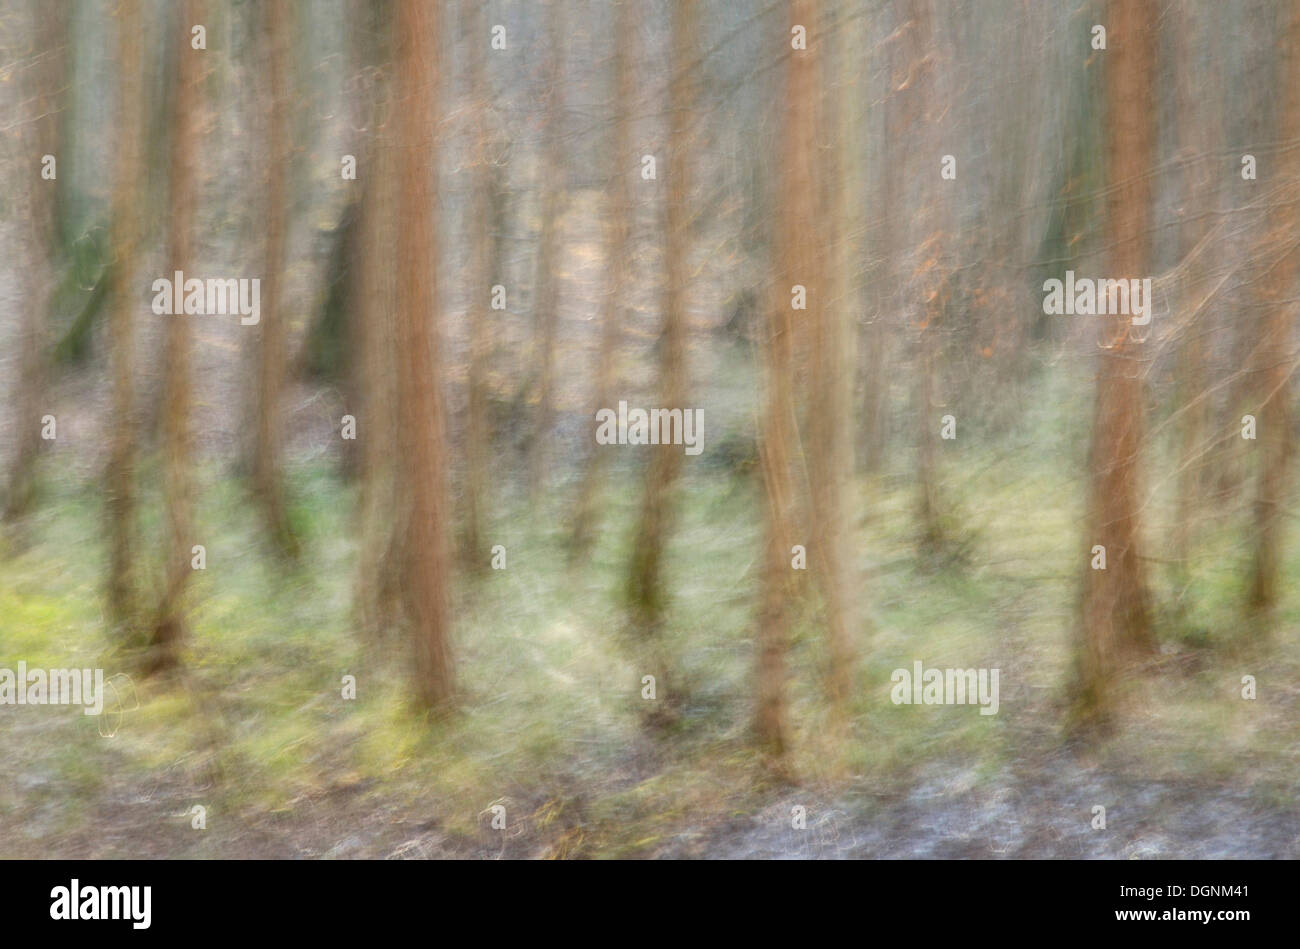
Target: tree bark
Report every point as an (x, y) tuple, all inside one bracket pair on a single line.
[(119, 481), (796, 263), (477, 436), (932, 283), (1197, 143), (379, 577), (646, 592), (619, 264), (546, 299), (271, 338), (428, 604), (1274, 351), (1115, 615), (169, 625), (829, 438), (32, 400)]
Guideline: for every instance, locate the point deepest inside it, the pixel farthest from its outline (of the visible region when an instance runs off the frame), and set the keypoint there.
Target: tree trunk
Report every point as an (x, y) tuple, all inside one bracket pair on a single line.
[(933, 284), (379, 578), (873, 335), (169, 625), (119, 481), (546, 298), (1274, 351), (1114, 616), (477, 436), (427, 594), (646, 593), (32, 400), (271, 341), (618, 241), (829, 438), (796, 263), (1197, 143)]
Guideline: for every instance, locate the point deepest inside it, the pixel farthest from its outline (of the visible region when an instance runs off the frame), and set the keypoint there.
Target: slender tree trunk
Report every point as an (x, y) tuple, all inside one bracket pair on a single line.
[(119, 481), (366, 50), (618, 240), (645, 576), (932, 532), (934, 282), (796, 263), (271, 340), (427, 556), (379, 578), (377, 431), (829, 439), (546, 300), (477, 436), (1115, 616), (32, 399), (1275, 353), (169, 625), (1200, 197), (873, 338)]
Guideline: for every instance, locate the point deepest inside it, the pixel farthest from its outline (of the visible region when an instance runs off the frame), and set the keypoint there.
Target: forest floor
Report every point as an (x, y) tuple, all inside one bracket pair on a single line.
[(552, 724)]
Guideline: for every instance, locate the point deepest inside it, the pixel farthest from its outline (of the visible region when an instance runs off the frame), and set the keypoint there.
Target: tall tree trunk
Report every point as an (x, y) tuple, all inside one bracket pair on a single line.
[(1198, 141), (829, 320), (934, 282), (427, 594), (796, 263), (271, 338), (873, 335), (477, 436), (646, 593), (32, 400), (119, 481), (366, 50), (1274, 350), (1115, 616), (169, 625), (546, 298), (379, 577), (618, 241)]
